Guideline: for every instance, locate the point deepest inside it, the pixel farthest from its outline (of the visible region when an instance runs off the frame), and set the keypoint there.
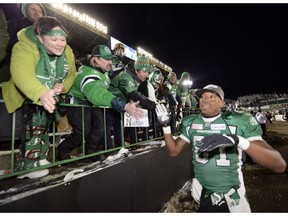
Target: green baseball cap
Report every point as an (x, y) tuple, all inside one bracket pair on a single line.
[(103, 52)]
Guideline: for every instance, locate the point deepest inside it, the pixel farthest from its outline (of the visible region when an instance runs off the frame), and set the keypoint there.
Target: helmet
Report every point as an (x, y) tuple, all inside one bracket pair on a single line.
[(155, 78), (118, 46), (185, 75), (119, 50)]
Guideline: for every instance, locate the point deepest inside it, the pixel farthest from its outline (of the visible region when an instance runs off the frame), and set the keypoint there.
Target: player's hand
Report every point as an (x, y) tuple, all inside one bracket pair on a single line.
[(214, 141), (163, 115)]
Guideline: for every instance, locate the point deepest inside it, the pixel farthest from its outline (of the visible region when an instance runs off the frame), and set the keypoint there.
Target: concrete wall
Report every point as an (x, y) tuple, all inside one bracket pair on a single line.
[(139, 184)]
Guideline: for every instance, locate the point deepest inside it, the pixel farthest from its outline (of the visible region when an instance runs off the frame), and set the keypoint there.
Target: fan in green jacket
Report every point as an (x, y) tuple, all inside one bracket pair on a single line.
[(42, 67), (125, 85), (91, 88)]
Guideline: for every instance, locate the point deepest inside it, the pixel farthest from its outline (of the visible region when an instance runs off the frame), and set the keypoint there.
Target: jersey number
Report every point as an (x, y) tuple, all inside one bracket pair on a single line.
[(221, 161)]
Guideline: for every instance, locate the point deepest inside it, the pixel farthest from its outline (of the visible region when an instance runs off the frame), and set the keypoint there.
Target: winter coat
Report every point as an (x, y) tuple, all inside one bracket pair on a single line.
[(91, 86), (23, 83)]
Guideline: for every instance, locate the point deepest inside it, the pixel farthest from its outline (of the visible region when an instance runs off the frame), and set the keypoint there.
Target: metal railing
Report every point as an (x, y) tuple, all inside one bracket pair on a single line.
[(154, 132)]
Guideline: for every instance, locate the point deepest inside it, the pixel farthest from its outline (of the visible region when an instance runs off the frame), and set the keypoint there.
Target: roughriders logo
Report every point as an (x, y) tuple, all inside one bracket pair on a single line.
[(107, 50)]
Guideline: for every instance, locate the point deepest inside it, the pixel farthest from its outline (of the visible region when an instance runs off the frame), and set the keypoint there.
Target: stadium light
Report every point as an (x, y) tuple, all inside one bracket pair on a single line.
[(154, 60), (82, 17)]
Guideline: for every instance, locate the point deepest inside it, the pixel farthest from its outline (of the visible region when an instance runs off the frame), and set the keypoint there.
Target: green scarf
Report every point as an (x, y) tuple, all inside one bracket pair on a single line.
[(45, 72)]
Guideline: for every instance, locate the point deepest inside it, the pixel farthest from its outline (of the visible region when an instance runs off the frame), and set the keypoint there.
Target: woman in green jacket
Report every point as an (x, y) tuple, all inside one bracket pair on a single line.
[(42, 67)]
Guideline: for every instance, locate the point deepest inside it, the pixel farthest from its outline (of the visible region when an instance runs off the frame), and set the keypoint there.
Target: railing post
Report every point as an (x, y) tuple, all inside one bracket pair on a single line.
[(13, 142), (83, 130)]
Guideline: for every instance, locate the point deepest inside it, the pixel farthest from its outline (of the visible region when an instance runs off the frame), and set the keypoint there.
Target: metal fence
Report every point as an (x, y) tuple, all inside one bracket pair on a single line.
[(11, 146)]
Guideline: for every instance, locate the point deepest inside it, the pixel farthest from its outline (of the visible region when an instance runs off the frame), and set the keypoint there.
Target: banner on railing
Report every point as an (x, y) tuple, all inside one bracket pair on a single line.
[(130, 121)]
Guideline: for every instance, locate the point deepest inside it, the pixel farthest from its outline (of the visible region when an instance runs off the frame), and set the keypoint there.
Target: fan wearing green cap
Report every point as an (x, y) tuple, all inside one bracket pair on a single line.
[(31, 12), (125, 85), (91, 88)]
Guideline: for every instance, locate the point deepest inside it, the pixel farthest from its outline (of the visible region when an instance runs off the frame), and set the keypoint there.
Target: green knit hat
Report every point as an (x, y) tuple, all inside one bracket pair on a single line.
[(25, 6), (142, 63)]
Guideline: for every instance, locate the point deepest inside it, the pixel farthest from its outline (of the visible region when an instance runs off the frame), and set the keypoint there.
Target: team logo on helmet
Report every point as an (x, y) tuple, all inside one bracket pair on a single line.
[(119, 46)]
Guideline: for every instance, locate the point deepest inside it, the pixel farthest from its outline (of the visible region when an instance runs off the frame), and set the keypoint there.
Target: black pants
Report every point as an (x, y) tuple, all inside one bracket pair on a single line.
[(173, 120), (93, 129), (263, 127), (113, 121), (207, 206)]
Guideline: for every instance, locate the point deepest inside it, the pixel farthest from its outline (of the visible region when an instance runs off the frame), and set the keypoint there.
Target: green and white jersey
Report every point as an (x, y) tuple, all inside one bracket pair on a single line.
[(220, 169), (91, 85), (183, 89)]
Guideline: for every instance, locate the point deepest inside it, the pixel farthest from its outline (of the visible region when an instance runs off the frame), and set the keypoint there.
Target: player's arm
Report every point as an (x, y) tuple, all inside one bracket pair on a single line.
[(263, 154), (175, 147)]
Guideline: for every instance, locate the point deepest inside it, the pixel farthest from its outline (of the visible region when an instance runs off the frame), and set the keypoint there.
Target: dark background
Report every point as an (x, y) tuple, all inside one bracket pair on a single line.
[(241, 47)]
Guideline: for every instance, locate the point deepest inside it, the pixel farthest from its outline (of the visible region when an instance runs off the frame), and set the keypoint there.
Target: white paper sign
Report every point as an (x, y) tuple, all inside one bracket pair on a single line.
[(130, 121)]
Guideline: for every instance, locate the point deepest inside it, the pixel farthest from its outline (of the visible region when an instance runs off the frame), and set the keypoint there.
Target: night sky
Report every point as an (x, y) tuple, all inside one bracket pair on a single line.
[(241, 47)]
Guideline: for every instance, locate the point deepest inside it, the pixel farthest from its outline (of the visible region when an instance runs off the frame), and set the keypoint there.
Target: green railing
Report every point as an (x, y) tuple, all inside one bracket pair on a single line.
[(153, 134)]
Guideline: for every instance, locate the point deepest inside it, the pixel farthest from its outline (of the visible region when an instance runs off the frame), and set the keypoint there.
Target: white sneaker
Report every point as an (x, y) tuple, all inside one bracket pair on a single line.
[(43, 162), (34, 174)]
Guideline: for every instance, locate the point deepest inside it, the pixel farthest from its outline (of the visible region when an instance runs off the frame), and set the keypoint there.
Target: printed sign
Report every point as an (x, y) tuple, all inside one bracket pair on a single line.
[(130, 121)]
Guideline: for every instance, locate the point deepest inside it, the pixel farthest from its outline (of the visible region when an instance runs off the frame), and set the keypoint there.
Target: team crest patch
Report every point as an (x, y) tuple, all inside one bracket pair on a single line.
[(218, 127), (107, 50), (197, 126)]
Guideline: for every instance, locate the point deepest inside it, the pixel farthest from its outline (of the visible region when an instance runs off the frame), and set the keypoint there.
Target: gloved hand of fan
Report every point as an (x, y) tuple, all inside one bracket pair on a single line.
[(214, 141), (163, 115)]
